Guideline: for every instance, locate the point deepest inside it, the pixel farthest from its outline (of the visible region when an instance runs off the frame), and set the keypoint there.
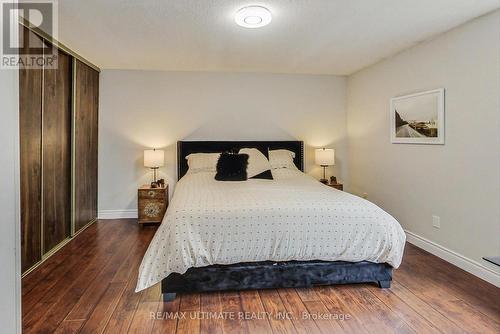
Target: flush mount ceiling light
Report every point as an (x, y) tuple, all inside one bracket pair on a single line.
[(253, 17)]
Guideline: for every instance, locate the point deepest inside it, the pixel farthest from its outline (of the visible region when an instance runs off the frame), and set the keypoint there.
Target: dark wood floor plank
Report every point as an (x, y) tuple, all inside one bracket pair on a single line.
[(322, 319), (96, 273), (129, 268), (336, 306), (425, 310), (251, 303), (70, 288), (190, 301), (123, 314), (57, 264), (69, 327), (58, 312), (190, 306), (167, 317), (472, 290), (142, 321), (44, 278), (210, 304), (96, 289), (280, 322), (447, 303), (232, 304), (308, 294), (101, 314), (296, 307), (418, 323), (380, 310), (125, 270), (354, 306)]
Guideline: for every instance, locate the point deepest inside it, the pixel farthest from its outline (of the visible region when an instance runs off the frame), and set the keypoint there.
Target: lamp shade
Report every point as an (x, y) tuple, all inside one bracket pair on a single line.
[(154, 158), (325, 156)]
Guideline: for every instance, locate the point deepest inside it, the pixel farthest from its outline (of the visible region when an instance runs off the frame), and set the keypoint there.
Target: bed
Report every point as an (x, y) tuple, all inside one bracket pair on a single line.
[(292, 231)]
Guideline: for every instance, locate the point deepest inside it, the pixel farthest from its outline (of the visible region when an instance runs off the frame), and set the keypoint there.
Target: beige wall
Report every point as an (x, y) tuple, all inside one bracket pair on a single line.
[(458, 181), (143, 109)]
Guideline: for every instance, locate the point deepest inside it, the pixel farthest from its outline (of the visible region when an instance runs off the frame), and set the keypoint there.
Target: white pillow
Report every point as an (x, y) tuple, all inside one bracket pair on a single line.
[(257, 162), (202, 162), (281, 159)]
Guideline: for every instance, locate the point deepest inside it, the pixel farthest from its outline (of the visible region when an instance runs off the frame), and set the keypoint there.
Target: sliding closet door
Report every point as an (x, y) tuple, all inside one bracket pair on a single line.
[(30, 133), (86, 129), (56, 180)]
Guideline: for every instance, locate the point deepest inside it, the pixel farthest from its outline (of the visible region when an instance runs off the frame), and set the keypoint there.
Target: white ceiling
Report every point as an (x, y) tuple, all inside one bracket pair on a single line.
[(305, 36)]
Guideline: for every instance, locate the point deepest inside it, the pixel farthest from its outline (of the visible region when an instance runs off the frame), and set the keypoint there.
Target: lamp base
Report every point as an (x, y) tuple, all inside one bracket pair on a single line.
[(323, 179), (154, 173)]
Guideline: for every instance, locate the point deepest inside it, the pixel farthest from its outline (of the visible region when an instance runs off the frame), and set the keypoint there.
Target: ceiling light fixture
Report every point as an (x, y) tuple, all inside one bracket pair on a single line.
[(253, 17)]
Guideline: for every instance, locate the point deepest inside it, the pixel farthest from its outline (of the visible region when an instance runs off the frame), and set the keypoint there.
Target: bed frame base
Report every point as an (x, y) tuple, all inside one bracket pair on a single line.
[(268, 275), (168, 297), (382, 284)]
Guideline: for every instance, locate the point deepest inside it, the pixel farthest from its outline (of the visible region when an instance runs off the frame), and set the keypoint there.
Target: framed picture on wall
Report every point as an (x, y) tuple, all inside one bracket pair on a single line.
[(418, 118)]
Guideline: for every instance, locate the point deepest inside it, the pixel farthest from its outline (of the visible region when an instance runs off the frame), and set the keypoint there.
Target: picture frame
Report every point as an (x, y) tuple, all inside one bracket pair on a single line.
[(418, 118)]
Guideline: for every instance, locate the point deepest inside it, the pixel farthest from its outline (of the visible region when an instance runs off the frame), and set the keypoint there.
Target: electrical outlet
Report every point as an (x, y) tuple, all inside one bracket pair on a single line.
[(436, 221)]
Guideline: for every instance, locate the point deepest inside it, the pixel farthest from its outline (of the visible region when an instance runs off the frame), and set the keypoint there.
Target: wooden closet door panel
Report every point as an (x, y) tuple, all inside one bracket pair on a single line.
[(86, 138), (56, 156), (30, 133)]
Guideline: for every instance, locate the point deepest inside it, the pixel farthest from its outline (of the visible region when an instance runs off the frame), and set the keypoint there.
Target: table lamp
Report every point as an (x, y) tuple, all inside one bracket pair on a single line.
[(154, 159), (325, 157)]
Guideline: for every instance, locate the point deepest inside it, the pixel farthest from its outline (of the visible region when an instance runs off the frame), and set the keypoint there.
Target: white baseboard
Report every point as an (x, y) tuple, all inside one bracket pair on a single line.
[(117, 214), (471, 266)]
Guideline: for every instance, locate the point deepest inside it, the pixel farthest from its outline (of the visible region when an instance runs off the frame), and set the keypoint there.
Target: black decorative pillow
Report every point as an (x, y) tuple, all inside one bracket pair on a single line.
[(232, 167)]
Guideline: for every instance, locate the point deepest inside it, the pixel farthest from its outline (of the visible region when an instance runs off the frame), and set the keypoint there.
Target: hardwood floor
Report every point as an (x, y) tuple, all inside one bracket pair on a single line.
[(88, 287)]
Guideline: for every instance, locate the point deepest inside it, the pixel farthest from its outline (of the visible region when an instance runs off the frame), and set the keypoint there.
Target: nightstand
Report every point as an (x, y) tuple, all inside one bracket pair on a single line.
[(338, 186), (152, 204)]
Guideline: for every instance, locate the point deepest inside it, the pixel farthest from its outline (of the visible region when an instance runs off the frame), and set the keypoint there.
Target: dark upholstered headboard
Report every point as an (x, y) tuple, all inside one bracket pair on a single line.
[(185, 148)]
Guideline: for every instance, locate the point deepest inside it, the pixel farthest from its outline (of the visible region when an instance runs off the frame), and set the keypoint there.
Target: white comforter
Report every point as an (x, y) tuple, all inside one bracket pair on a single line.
[(293, 217)]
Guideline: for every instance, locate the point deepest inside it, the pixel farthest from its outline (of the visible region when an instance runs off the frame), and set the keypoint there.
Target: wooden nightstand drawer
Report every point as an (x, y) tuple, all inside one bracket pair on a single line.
[(338, 186), (151, 193), (152, 204), (151, 210)]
